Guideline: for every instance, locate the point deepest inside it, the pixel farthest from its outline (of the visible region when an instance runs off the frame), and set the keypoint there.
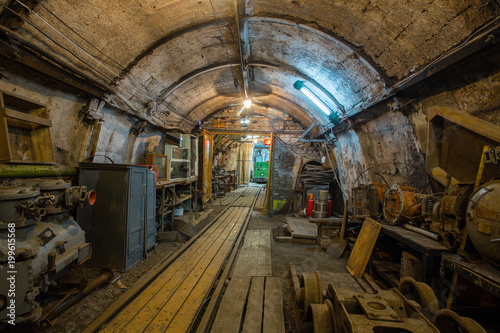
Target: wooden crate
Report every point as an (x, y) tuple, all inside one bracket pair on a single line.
[(24, 132)]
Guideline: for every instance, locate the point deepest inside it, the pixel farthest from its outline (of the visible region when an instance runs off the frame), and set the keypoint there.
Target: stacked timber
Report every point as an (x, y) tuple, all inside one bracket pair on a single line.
[(316, 175)]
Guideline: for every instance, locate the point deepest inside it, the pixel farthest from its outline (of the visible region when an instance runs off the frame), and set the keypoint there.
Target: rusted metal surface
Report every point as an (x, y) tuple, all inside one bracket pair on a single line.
[(312, 289), (401, 203), (483, 220), (422, 294), (387, 309), (322, 317), (450, 322)]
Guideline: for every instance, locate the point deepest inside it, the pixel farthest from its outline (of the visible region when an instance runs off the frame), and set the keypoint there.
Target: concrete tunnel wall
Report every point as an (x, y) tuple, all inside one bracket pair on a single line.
[(389, 139)]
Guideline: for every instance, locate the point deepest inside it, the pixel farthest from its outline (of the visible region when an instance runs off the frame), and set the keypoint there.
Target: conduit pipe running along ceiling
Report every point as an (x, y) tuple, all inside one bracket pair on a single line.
[(165, 61)]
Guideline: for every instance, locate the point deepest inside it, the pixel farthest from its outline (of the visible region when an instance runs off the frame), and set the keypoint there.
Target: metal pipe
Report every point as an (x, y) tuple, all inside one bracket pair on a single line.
[(26, 171), (102, 279), (426, 233)]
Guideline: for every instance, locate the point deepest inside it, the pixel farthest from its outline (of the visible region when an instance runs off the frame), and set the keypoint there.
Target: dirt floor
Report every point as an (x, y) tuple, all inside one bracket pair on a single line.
[(304, 257)]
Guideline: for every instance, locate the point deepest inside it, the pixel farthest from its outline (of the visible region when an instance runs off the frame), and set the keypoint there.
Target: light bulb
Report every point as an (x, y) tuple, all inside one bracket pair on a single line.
[(247, 103)]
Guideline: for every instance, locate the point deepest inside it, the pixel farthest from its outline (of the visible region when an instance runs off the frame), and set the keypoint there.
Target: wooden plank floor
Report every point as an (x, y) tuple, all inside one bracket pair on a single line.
[(301, 228), (228, 197), (261, 199), (255, 255), (251, 306), (247, 198), (172, 301)]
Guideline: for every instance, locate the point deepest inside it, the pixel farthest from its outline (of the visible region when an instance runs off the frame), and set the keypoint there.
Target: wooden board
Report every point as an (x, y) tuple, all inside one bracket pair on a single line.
[(255, 255), (255, 304), (231, 309), (261, 199), (261, 302), (363, 247), (301, 228), (246, 199), (274, 320)]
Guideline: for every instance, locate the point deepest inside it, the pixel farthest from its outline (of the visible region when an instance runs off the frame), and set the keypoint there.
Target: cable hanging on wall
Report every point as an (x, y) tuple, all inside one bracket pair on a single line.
[(227, 54)]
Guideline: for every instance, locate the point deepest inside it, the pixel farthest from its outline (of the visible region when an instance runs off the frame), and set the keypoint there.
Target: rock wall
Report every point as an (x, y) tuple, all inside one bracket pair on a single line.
[(389, 142), (70, 133), (286, 161)]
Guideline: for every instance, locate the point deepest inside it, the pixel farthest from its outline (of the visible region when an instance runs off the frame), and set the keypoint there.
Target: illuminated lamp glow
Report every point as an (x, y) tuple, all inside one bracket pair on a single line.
[(247, 103), (300, 86)]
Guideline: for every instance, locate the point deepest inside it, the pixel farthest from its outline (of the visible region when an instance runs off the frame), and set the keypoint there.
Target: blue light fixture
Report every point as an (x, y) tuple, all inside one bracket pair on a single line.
[(300, 86)]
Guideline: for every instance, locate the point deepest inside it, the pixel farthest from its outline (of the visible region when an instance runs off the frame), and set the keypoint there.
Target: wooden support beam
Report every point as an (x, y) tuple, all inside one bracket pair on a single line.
[(470, 122)]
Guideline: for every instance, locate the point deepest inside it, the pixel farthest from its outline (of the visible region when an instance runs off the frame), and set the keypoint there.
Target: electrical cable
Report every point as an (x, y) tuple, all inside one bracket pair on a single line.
[(292, 151), (65, 37), (94, 69), (383, 178), (83, 38), (225, 47), (344, 196), (90, 157), (377, 165), (57, 43)]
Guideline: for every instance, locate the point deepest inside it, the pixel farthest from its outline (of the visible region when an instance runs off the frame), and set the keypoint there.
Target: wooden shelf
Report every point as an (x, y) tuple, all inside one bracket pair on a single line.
[(24, 132)]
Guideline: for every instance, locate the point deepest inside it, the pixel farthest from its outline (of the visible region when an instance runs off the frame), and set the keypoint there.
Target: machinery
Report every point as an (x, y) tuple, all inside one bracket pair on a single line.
[(412, 307), (261, 172), (401, 203), (39, 239), (483, 220), (367, 200), (446, 213)]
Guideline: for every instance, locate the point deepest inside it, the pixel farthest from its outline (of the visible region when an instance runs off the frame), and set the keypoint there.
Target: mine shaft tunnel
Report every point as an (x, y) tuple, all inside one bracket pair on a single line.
[(210, 140)]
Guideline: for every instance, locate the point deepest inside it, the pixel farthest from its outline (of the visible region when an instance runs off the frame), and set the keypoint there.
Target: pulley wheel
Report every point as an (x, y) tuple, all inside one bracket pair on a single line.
[(422, 294), (448, 321), (322, 317), (313, 293)]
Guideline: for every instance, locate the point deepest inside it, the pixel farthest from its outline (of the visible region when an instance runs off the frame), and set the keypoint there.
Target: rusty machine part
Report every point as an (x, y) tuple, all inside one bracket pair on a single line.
[(447, 213), (450, 322), (384, 311), (367, 200), (422, 294), (321, 206), (401, 203), (71, 299), (38, 240), (312, 292), (483, 221), (320, 318)]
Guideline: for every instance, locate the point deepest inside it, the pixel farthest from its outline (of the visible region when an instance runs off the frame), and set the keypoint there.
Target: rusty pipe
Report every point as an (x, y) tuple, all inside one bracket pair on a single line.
[(426, 233), (102, 279)]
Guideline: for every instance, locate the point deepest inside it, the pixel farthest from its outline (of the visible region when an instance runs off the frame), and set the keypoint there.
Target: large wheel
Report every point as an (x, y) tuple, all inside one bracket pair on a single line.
[(313, 293), (422, 294), (320, 318), (448, 321)]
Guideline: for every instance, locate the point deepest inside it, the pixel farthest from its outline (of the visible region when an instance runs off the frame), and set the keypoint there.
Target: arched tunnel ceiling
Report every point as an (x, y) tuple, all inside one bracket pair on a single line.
[(165, 60)]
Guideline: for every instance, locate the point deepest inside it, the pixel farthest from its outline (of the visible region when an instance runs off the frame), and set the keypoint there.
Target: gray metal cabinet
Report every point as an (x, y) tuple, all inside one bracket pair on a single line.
[(115, 224), (150, 211)]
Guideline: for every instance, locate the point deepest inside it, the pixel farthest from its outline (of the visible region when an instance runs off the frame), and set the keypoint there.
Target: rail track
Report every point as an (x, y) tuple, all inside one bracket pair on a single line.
[(183, 293)]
